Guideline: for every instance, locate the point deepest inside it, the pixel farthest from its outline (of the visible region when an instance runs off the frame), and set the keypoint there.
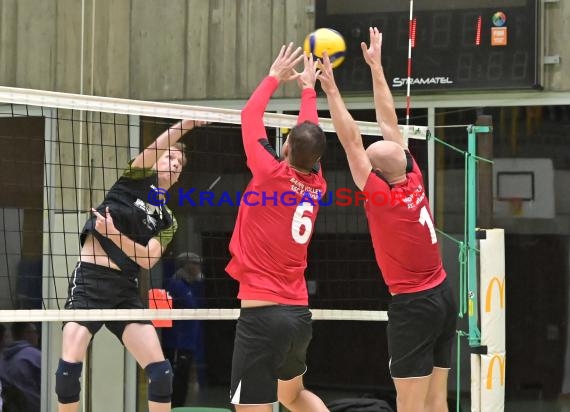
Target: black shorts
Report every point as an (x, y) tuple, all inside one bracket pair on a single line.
[(421, 331), (271, 343), (98, 287)]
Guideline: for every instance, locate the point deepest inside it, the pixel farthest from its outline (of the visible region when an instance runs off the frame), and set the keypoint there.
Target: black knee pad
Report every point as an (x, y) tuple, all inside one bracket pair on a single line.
[(67, 381), (159, 381)]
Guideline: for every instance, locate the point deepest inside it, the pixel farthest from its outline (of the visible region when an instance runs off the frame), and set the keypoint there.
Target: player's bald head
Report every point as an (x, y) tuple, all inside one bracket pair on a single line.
[(389, 157)]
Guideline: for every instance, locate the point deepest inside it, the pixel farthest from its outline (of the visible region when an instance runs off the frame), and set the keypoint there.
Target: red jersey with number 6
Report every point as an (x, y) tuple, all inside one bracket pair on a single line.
[(403, 233), (277, 212)]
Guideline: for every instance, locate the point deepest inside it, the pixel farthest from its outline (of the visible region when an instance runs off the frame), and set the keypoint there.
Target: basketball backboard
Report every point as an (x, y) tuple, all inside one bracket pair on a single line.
[(523, 188)]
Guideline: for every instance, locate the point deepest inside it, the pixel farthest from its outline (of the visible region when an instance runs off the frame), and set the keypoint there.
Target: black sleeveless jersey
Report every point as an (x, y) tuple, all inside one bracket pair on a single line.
[(133, 216)]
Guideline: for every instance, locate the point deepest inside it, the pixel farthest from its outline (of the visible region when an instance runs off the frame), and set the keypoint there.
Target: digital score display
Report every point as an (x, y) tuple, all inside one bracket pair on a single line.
[(457, 44)]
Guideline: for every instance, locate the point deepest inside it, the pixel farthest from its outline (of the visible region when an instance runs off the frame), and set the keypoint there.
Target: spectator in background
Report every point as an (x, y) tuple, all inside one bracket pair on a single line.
[(20, 369), (183, 342)]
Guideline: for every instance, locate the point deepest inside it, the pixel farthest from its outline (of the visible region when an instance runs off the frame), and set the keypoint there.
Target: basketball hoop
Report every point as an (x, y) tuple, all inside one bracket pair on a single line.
[(516, 206)]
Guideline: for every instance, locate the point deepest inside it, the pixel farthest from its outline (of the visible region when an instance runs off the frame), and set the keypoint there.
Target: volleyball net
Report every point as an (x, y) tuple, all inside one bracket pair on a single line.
[(61, 154)]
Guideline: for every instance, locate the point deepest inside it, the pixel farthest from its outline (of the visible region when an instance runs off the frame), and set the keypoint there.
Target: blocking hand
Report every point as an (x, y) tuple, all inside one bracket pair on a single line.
[(308, 77), (373, 53), (326, 76), (283, 66)]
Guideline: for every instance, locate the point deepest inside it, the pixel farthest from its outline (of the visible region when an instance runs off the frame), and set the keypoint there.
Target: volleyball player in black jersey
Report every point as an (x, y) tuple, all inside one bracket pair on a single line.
[(124, 234)]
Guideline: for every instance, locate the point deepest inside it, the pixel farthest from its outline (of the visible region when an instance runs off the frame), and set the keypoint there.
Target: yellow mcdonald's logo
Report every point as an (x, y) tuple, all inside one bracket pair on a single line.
[(501, 359), (501, 285)]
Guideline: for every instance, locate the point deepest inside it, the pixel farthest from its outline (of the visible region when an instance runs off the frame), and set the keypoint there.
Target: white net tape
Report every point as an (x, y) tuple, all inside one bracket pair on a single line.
[(171, 110), (39, 315)]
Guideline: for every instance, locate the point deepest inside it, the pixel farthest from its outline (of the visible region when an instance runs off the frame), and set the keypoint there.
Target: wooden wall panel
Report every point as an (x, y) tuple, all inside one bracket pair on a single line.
[(68, 46), (198, 20), (223, 61), (258, 55), (174, 49), (36, 44), (8, 13), (242, 29), (69, 175), (278, 38), (111, 49), (148, 49), (108, 155), (158, 47), (299, 23)]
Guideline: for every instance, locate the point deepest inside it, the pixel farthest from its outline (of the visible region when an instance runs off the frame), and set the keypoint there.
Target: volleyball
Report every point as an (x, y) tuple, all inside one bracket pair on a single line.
[(328, 40)]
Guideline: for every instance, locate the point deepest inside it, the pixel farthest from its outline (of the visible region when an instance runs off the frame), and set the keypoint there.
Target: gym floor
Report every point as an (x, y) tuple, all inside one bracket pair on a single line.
[(218, 396)]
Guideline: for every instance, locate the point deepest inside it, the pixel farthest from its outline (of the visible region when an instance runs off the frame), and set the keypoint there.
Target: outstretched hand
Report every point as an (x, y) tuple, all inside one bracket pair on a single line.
[(104, 224), (308, 77), (373, 53), (283, 66), (326, 76)]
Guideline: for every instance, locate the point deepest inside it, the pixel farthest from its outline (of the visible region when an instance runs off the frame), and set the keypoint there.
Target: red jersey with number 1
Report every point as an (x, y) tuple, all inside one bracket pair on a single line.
[(403, 233), (277, 212)]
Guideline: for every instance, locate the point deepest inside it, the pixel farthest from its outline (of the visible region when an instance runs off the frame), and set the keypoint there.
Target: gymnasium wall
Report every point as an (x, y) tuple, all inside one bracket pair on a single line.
[(147, 49), (176, 49)]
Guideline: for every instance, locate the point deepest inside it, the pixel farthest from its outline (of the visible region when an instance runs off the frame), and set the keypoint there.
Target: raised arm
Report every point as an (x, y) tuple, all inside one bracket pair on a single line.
[(253, 130), (383, 100), (306, 81), (252, 127), (346, 128), (150, 155)]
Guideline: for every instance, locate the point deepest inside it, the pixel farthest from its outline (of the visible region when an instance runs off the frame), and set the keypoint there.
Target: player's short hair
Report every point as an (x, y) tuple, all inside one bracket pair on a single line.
[(307, 143)]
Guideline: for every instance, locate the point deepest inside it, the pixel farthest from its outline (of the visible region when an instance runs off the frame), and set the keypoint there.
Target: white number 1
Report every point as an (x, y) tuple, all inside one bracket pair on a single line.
[(425, 218), (299, 221)]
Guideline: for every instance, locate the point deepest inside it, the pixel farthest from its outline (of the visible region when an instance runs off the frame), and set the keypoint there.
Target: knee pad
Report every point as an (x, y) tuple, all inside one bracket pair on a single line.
[(67, 384), (159, 381)]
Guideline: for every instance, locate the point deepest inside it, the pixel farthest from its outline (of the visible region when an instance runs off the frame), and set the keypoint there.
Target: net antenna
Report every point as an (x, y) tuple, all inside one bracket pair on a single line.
[(411, 45)]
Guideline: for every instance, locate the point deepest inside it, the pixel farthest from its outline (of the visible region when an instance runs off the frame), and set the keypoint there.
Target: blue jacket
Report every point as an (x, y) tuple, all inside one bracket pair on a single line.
[(20, 367), (184, 334)]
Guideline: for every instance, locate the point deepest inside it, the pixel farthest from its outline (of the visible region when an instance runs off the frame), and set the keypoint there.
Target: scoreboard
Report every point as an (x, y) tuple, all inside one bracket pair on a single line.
[(457, 44)]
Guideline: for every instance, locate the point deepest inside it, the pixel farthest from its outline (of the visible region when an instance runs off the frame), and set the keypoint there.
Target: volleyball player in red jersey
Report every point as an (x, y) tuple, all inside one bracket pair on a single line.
[(269, 249), (422, 314)]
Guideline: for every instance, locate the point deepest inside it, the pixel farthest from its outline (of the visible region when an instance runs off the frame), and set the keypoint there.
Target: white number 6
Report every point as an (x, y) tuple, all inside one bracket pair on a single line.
[(424, 219), (300, 221)]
